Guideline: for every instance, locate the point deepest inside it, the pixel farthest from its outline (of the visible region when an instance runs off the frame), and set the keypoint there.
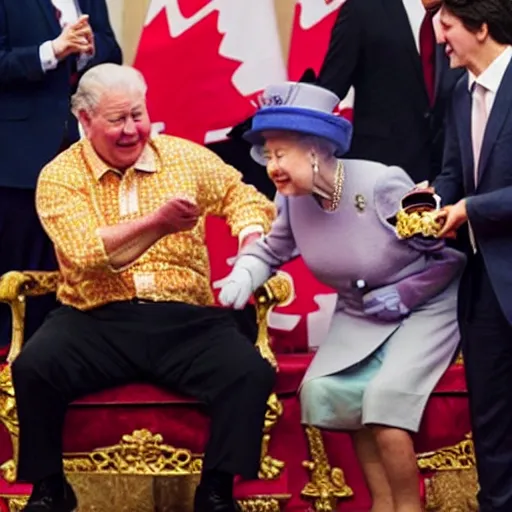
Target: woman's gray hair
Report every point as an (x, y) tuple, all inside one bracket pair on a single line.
[(105, 77), (321, 146)]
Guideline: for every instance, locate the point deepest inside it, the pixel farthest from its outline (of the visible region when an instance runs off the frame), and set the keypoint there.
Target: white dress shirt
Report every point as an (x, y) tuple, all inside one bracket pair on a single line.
[(415, 12), (70, 12), (490, 79)]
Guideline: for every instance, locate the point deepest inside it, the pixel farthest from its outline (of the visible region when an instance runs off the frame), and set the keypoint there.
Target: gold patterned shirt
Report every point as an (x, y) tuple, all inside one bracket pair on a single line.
[(78, 193)]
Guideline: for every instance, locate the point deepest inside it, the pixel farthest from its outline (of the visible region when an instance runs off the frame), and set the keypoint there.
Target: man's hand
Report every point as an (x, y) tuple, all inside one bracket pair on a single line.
[(75, 38), (452, 217), (177, 214)]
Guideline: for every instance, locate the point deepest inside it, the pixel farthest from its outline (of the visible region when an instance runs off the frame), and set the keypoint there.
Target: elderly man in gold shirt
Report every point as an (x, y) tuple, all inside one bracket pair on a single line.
[(126, 214)]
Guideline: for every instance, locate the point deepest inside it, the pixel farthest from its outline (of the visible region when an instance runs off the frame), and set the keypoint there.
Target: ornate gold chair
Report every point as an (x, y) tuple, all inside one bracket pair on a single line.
[(117, 450)]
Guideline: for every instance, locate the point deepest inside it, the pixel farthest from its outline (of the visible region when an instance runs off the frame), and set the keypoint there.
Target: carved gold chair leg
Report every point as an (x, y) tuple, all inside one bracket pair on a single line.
[(16, 503), (9, 417), (327, 485), (270, 468)]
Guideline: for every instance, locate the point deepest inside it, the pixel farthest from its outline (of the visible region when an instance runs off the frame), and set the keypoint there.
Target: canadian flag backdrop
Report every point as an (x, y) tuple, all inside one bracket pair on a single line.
[(206, 61)]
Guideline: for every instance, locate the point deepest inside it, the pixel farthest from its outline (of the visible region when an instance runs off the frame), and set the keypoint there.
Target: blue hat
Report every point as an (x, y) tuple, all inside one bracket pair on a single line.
[(301, 108)]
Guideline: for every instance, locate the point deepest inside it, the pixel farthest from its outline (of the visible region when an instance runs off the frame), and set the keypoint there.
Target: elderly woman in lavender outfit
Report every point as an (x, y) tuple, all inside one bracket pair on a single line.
[(394, 331)]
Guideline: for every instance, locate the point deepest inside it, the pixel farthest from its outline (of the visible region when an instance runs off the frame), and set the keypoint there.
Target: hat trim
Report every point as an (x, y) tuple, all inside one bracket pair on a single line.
[(278, 119)]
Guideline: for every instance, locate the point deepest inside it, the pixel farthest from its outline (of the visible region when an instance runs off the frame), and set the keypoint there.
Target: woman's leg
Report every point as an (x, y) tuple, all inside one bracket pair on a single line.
[(399, 463), (335, 402), (373, 469)]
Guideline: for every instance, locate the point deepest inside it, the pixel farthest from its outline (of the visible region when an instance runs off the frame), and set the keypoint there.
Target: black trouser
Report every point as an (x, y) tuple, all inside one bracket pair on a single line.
[(487, 350), (195, 350)]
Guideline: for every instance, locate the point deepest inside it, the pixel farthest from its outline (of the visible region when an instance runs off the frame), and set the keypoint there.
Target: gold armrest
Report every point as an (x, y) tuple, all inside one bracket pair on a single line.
[(14, 287), (278, 290)]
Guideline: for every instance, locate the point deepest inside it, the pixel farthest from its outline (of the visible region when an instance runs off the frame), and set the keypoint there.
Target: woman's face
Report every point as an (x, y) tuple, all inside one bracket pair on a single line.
[(289, 163)]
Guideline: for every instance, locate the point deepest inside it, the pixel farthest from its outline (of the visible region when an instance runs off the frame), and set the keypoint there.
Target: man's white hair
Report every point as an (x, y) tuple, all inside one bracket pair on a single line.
[(105, 77)]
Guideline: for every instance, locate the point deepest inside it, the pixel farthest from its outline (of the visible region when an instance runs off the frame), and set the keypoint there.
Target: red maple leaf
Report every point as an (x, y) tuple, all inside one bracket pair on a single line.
[(189, 83), (308, 47)]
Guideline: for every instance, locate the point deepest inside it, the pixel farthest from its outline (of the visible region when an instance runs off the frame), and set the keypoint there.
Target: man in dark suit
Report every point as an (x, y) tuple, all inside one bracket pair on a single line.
[(386, 50), (476, 187), (45, 45)]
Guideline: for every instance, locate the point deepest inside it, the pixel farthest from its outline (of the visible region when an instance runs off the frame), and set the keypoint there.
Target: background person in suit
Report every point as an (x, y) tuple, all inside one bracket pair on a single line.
[(386, 50), (45, 45), (476, 186)]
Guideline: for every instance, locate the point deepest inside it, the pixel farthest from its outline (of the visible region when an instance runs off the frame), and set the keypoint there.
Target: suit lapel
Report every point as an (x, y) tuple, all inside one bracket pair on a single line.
[(441, 68), (83, 7), (401, 26), (499, 113), (49, 13), (463, 110)]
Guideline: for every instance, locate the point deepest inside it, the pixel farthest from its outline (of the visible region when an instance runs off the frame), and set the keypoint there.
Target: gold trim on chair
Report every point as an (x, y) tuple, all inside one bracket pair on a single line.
[(9, 418), (16, 503), (276, 291), (14, 287), (140, 453), (327, 484), (270, 468), (454, 484), (459, 456)]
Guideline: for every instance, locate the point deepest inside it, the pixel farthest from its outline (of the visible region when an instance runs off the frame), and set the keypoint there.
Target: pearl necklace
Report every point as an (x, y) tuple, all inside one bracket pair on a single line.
[(339, 180)]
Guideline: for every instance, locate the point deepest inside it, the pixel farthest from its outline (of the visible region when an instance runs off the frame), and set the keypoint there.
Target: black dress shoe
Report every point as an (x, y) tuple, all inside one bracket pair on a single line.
[(52, 498), (209, 500)]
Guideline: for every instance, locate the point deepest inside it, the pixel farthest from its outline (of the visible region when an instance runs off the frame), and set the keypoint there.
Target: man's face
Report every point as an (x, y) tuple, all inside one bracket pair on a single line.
[(462, 46), (119, 127)]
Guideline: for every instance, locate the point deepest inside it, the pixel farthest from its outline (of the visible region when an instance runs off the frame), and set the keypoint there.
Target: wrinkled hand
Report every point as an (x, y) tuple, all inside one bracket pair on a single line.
[(236, 288), (177, 214), (452, 218), (384, 304), (75, 38)]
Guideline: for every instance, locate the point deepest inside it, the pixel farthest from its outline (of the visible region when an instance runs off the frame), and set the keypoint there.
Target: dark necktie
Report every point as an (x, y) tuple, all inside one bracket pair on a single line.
[(428, 55)]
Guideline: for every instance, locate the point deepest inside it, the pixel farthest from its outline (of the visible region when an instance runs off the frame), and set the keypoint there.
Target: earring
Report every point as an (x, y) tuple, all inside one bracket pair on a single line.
[(315, 167)]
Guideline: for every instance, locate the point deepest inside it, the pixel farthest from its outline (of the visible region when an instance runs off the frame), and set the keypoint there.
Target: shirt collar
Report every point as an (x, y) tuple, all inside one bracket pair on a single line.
[(145, 163), (491, 77)]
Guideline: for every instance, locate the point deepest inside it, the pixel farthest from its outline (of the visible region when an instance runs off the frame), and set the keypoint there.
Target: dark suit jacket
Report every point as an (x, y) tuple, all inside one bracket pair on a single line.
[(34, 105), (489, 205), (372, 48)]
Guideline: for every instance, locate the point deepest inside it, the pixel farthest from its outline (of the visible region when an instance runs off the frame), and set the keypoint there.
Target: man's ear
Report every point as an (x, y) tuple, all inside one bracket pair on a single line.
[(482, 33), (84, 118)]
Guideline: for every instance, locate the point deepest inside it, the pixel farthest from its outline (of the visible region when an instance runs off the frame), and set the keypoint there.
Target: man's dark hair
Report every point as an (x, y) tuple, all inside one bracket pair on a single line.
[(474, 13)]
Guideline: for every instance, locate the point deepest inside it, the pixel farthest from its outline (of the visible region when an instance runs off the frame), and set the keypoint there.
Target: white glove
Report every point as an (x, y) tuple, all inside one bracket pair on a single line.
[(248, 274), (236, 288)]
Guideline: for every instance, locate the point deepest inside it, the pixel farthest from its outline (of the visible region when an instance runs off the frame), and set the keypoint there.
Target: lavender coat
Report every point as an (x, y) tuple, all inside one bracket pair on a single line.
[(356, 242)]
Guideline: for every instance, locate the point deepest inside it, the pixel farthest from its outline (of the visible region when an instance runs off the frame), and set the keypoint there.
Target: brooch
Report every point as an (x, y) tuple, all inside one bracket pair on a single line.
[(360, 202)]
